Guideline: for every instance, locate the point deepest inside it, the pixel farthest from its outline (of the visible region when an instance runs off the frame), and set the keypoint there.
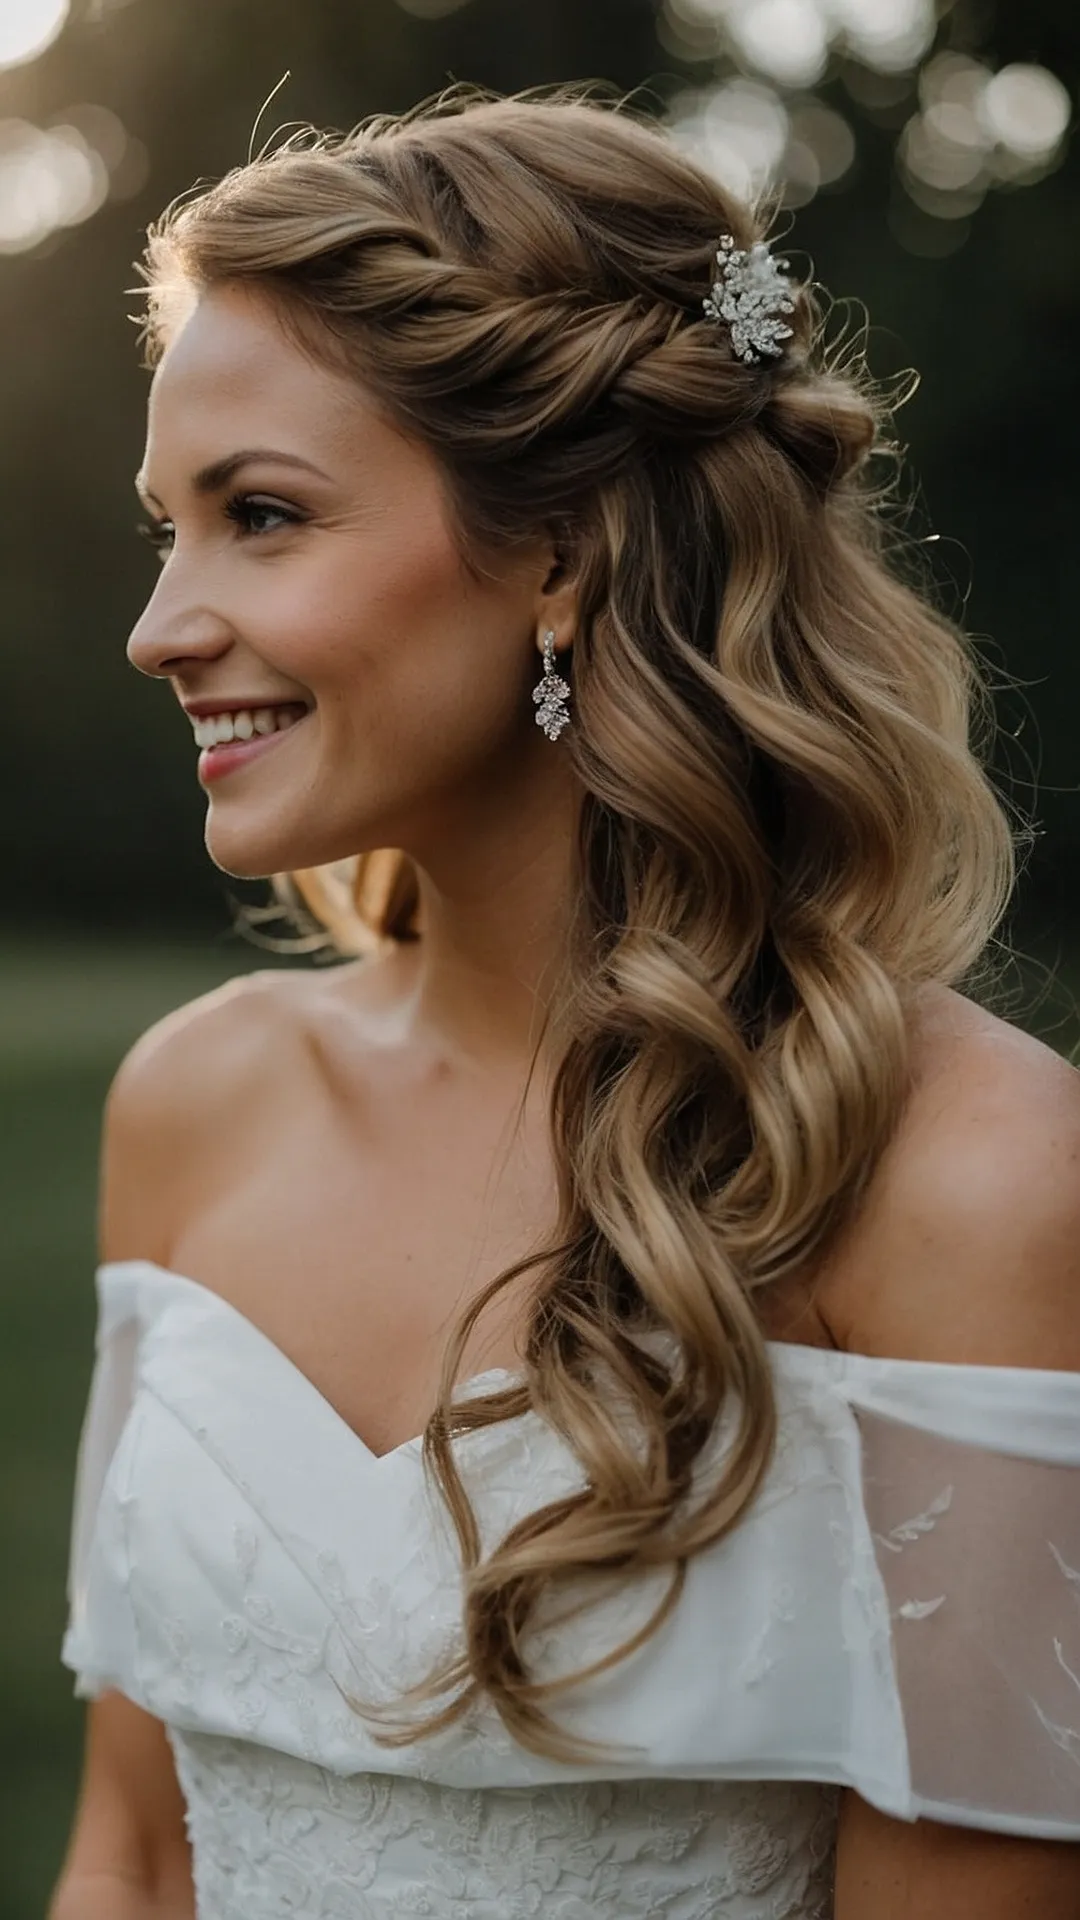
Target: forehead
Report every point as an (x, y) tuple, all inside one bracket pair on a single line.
[(231, 365)]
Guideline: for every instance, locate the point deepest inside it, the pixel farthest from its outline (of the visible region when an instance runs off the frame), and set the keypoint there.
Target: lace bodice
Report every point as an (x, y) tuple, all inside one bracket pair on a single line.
[(372, 1846), (899, 1612)]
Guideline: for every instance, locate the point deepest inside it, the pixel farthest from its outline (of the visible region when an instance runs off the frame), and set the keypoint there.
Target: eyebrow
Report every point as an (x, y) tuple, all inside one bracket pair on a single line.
[(212, 478)]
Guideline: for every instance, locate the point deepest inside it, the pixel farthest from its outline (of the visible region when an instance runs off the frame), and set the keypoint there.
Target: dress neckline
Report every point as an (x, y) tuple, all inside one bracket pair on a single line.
[(875, 1377), (218, 1302), (793, 1352)]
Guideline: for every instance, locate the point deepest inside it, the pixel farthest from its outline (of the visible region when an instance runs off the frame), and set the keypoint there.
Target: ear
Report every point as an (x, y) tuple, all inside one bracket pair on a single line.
[(557, 603)]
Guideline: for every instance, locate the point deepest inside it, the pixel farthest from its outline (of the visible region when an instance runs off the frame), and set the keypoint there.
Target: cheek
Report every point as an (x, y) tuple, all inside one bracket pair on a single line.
[(399, 621)]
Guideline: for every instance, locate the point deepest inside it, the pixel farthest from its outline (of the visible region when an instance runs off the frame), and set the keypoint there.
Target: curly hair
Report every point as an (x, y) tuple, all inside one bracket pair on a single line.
[(788, 824)]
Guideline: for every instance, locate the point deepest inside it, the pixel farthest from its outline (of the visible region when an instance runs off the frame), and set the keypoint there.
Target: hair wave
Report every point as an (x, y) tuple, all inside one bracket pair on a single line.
[(788, 825)]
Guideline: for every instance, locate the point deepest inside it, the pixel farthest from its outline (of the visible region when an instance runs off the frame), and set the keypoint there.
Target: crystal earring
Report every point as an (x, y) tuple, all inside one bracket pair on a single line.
[(551, 693)]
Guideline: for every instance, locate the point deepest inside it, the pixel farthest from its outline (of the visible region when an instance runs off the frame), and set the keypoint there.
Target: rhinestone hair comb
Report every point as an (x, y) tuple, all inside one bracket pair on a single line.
[(748, 293)]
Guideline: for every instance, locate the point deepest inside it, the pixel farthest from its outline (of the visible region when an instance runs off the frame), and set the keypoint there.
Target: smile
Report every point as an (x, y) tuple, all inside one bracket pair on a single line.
[(224, 756)]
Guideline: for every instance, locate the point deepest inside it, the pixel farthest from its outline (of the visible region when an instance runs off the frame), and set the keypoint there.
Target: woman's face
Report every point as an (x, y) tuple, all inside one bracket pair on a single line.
[(308, 558)]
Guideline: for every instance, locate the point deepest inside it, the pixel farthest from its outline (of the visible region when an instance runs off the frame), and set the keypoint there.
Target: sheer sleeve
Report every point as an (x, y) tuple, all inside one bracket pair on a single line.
[(108, 1405), (973, 1502)]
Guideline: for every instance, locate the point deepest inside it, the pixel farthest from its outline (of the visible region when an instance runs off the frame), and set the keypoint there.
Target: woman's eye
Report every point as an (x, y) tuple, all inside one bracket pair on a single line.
[(252, 513), (160, 533)]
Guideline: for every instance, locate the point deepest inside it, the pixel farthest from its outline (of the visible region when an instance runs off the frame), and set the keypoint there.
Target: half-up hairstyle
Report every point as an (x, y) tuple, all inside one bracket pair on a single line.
[(787, 825)]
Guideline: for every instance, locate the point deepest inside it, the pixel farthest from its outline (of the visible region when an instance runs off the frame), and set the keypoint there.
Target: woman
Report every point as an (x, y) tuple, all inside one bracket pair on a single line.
[(646, 1136)]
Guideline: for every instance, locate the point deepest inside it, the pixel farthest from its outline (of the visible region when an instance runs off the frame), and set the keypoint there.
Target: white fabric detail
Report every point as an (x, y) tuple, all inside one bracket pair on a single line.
[(374, 1846), (982, 1588), (899, 1612)]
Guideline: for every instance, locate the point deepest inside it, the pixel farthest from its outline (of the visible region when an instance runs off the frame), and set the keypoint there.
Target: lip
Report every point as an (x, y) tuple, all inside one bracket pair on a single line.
[(206, 709), (216, 763)]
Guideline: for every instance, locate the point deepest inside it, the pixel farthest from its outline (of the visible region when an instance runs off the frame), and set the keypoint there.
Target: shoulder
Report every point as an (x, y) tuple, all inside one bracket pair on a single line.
[(172, 1107), (967, 1247), (201, 1046)]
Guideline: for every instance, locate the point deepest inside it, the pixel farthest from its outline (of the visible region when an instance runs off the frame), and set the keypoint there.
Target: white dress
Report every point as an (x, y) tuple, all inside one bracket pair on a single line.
[(899, 1612)]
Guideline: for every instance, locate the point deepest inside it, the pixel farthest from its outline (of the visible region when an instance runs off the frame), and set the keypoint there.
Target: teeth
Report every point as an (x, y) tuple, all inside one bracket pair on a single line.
[(220, 728)]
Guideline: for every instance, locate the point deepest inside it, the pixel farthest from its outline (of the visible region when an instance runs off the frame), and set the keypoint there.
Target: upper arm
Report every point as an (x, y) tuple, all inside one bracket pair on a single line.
[(969, 1252), (130, 1818), (920, 1870)]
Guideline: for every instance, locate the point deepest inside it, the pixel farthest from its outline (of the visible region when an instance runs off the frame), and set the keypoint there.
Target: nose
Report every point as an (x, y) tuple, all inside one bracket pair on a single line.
[(175, 629)]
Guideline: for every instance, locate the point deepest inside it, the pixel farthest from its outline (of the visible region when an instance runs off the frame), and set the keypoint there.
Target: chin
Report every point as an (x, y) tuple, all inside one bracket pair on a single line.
[(245, 857), (258, 856)]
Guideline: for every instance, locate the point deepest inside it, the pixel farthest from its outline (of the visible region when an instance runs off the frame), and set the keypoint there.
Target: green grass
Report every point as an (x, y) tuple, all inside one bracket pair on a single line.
[(67, 1014)]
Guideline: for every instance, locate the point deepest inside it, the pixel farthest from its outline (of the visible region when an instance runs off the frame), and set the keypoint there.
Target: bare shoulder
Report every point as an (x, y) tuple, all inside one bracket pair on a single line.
[(177, 1101), (203, 1045), (967, 1247)]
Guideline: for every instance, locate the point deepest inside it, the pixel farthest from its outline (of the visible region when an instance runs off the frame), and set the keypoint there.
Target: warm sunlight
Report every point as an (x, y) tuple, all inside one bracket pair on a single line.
[(27, 27)]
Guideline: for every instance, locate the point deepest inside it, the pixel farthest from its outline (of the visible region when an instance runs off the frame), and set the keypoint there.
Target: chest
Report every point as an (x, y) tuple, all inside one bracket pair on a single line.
[(356, 1230), (355, 1245)]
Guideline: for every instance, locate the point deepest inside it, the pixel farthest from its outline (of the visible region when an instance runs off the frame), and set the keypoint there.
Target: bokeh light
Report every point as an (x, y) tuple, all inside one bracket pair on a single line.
[(759, 124), (976, 129), (889, 35), (739, 131), (755, 122), (27, 27), (787, 39), (749, 138), (47, 180), (54, 177), (1028, 110), (791, 40), (820, 151)]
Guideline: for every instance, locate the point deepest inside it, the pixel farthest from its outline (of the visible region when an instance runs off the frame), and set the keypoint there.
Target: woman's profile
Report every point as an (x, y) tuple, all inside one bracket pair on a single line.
[(586, 1411)]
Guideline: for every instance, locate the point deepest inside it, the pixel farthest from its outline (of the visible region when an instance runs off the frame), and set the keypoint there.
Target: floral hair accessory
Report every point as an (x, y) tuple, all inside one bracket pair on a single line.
[(748, 293)]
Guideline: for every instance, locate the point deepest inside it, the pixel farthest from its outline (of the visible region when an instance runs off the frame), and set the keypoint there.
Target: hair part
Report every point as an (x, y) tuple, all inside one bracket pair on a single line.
[(787, 825)]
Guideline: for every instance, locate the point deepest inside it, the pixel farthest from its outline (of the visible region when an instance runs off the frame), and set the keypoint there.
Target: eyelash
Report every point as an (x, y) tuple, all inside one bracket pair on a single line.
[(238, 507)]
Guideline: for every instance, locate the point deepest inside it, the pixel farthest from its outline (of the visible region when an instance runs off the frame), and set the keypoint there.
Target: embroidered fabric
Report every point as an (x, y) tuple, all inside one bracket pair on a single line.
[(899, 1612), (374, 1846)]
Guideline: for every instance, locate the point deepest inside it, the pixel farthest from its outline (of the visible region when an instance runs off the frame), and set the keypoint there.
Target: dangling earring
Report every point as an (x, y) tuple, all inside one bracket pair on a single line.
[(551, 694)]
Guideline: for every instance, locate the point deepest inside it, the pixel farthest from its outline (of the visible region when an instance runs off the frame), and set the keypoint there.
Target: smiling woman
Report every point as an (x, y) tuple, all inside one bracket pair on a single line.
[(318, 570), (768, 1482)]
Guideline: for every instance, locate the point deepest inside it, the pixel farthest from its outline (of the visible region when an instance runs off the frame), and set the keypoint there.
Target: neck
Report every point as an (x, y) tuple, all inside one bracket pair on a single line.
[(493, 917)]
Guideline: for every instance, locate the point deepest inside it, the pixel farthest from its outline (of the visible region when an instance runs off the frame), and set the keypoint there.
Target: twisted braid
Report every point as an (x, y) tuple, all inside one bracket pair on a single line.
[(566, 356)]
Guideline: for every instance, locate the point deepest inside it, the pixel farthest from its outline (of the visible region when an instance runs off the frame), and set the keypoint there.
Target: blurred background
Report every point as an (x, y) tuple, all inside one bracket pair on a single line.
[(926, 156)]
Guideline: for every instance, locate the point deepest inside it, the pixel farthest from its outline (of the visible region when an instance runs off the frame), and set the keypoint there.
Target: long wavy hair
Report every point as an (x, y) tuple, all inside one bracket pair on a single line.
[(787, 827)]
